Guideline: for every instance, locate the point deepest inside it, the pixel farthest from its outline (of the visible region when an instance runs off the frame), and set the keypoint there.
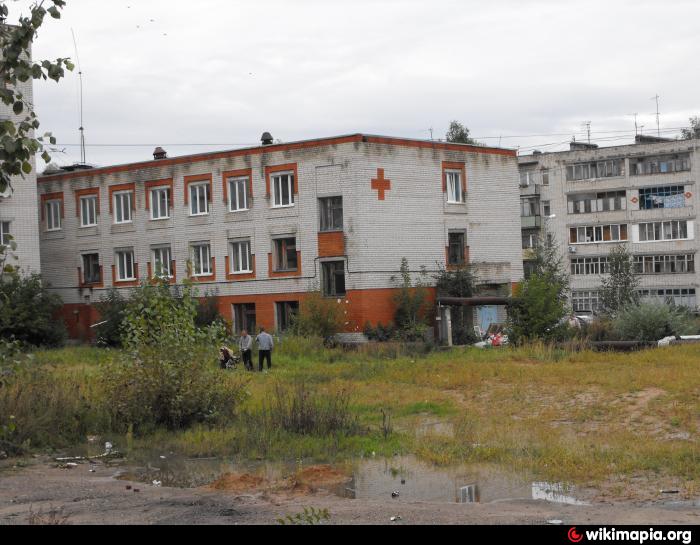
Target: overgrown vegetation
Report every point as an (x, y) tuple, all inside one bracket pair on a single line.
[(649, 321), (28, 310), (458, 282), (318, 316), (411, 305), (111, 309), (619, 286)]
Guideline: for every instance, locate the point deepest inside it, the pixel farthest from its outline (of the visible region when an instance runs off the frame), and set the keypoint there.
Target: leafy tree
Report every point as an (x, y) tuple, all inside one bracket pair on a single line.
[(18, 144), (28, 310), (111, 309), (458, 133), (549, 263), (536, 310), (693, 131), (208, 311), (410, 303), (619, 288)]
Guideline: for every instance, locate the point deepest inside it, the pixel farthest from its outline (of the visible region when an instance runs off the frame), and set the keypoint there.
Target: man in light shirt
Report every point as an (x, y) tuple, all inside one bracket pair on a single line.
[(245, 345), (265, 344)]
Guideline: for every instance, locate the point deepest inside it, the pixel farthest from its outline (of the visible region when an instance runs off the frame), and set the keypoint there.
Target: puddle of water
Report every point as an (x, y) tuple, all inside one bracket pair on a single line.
[(397, 479)]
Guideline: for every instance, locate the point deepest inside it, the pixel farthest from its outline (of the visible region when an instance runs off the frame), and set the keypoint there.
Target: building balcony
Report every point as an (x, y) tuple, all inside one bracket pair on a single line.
[(530, 189), (530, 222)]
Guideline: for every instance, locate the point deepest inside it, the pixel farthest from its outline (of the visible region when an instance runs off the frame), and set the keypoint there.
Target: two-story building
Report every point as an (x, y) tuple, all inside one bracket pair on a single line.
[(261, 227)]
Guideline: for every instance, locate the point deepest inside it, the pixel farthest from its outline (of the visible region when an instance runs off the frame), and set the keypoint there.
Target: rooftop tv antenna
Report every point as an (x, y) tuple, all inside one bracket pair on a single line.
[(80, 79), (587, 124), (658, 125), (636, 127)]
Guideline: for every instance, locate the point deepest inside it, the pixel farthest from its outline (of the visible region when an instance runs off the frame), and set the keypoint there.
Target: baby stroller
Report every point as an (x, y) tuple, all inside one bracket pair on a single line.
[(227, 359)]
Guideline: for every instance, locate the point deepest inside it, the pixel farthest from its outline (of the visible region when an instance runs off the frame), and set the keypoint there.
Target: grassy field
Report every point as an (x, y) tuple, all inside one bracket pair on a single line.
[(583, 417)]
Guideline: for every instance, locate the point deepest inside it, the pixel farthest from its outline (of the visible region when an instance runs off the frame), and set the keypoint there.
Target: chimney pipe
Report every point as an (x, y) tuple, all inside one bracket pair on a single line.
[(266, 138), (159, 153)]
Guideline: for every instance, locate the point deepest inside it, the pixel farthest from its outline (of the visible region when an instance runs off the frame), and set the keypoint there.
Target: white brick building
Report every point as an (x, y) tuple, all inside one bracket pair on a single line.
[(263, 226), (643, 195)]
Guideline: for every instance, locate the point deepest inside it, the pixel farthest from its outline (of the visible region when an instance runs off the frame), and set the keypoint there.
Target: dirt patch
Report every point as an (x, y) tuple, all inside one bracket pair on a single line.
[(320, 475), (237, 482)]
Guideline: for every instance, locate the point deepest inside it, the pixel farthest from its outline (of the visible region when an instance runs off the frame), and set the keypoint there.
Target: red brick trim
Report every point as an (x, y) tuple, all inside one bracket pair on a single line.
[(197, 178), (58, 196), (84, 193), (122, 187), (166, 182), (83, 284), (259, 150), (240, 173), (239, 276), (282, 274), (281, 168), (125, 283), (331, 244), (447, 165)]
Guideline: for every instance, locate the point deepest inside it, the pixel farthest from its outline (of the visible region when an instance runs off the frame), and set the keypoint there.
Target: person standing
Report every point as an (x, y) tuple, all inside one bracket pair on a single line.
[(245, 345), (265, 344)]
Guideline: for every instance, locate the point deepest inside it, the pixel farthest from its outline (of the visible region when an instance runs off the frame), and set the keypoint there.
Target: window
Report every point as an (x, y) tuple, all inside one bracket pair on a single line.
[(455, 251), (244, 317), (546, 209), (162, 262), (598, 233), (286, 311), (597, 202), (664, 264), (53, 215), (333, 278), (201, 259), (88, 211), (598, 169), (199, 198), (454, 186), (238, 194), (661, 164), (529, 206), (683, 297), (331, 212), (530, 239), (527, 177), (5, 236), (545, 176), (286, 254), (125, 265), (91, 269), (241, 259), (585, 301), (589, 265), (160, 203), (663, 230), (283, 189), (123, 204), (670, 196)]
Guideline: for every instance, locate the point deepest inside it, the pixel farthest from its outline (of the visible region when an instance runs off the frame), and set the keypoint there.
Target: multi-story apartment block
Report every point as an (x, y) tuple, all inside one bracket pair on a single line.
[(261, 227), (590, 199), (18, 210)]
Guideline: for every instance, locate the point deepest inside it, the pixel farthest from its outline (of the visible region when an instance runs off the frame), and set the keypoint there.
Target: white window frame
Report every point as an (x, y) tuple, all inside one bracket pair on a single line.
[(199, 190), (53, 215), (156, 212), (85, 202), (238, 258), (5, 233), (277, 179), (122, 265), (234, 194), (119, 199), (453, 180), (198, 251), (157, 258), (665, 227)]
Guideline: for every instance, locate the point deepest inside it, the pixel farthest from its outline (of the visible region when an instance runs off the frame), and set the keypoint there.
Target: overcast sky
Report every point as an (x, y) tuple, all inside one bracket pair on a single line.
[(221, 72)]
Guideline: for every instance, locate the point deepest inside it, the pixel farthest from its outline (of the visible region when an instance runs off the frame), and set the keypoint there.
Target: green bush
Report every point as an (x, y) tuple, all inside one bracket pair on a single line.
[(411, 306), (653, 321), (111, 309), (28, 311), (208, 311), (536, 311), (318, 316)]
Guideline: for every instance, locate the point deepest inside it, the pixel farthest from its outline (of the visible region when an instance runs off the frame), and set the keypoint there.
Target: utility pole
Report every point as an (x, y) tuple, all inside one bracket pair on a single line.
[(658, 125), (587, 124)]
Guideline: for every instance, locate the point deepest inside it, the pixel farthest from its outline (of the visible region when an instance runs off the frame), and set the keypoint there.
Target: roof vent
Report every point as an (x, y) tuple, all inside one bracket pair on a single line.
[(159, 153), (266, 139)]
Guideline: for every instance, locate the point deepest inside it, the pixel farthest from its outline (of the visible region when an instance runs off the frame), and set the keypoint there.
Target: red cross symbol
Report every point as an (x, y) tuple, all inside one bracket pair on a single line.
[(381, 184)]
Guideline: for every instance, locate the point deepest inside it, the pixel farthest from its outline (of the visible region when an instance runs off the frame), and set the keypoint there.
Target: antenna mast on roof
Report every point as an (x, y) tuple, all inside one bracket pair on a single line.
[(658, 125), (587, 124), (80, 78)]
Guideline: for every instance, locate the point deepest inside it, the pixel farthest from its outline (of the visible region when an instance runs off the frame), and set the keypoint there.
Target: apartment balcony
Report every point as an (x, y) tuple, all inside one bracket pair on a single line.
[(530, 222), (529, 190), (528, 254)]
